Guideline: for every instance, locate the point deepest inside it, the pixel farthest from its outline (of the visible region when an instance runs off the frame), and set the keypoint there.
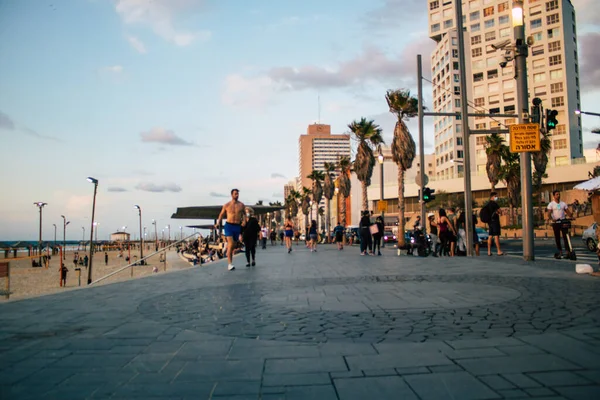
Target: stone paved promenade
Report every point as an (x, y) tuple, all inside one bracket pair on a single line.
[(326, 325)]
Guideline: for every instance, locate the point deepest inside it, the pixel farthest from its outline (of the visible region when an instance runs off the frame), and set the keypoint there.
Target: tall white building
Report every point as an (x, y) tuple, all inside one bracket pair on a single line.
[(553, 73)]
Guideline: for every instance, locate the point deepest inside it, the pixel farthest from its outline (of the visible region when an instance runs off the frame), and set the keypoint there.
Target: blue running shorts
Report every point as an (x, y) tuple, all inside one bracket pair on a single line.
[(233, 230)]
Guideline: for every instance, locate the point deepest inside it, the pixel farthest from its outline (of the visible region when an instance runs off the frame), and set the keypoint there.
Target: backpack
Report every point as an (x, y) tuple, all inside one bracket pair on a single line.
[(485, 214)]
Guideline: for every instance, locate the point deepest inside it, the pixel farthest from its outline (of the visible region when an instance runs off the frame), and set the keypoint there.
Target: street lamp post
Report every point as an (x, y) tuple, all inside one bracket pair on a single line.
[(40, 205), (380, 159), (65, 223), (54, 239), (141, 236), (180, 232), (578, 112), (95, 182), (521, 52), (155, 234), (96, 231), (169, 237)]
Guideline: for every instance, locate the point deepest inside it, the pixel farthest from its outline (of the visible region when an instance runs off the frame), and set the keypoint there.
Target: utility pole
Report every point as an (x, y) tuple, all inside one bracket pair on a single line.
[(421, 141), (464, 119), (521, 52)]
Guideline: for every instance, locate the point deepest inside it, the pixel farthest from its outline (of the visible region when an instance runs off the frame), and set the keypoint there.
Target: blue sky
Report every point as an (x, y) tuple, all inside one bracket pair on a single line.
[(173, 103)]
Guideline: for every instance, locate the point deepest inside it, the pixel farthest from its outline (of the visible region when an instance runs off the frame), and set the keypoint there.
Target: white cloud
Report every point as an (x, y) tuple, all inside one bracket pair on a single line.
[(164, 136), (253, 92), (160, 16), (155, 188), (137, 44)]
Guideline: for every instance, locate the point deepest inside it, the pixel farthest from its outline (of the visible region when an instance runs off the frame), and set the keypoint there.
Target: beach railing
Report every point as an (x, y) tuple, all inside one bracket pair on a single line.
[(141, 261)]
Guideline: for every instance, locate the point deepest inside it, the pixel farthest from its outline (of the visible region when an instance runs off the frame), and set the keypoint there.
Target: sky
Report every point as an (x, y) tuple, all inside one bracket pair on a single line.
[(172, 103)]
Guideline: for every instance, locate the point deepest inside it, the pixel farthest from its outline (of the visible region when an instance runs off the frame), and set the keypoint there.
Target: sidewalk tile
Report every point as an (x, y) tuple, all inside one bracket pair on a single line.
[(387, 387)]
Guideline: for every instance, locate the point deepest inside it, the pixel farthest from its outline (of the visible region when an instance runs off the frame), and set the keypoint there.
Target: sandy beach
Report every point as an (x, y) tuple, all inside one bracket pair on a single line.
[(27, 281)]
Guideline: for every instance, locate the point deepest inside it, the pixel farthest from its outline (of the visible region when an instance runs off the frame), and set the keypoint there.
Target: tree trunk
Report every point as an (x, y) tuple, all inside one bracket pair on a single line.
[(365, 199), (343, 217), (328, 221), (400, 235), (512, 214)]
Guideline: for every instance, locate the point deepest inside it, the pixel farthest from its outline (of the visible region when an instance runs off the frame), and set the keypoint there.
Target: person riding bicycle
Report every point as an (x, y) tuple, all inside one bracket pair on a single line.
[(556, 213)]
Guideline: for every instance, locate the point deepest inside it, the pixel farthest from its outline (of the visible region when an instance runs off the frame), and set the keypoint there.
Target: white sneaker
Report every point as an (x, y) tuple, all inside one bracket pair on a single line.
[(230, 267)]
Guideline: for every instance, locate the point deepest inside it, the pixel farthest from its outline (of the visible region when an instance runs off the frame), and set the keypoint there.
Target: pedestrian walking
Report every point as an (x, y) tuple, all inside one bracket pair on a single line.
[(233, 211), (105, 258), (312, 234), (433, 233), (377, 236), (264, 232), (289, 233), (365, 234), (460, 223), (447, 232), (250, 231), (494, 225), (338, 231), (63, 274), (557, 211)]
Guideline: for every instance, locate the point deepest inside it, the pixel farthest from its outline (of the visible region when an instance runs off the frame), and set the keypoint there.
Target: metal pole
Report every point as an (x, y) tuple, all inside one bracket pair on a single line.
[(521, 51), (141, 235), (381, 197), (421, 140), (95, 182), (40, 241), (465, 128), (54, 238)]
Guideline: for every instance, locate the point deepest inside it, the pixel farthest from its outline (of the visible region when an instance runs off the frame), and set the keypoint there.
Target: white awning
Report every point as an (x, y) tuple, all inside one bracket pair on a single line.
[(592, 184)]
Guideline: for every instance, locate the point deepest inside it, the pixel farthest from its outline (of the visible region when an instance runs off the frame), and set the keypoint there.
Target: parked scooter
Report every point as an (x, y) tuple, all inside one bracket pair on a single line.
[(421, 242)]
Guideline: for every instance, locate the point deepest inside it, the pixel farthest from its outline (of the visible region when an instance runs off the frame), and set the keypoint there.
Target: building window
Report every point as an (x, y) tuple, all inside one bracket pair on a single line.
[(552, 5), (556, 74), (488, 11), (554, 32), (555, 60), (456, 90), (478, 64), (457, 103), (509, 96), (475, 28), (454, 53), (537, 50), (435, 28), (536, 23), (554, 46), (475, 39), (538, 64), (490, 23), (508, 84), (539, 77), (494, 99), (503, 6), (474, 16), (434, 5), (448, 24), (459, 154), (540, 90), (558, 101), (535, 11), (480, 140), (456, 77), (490, 36), (478, 77), (492, 74), (476, 52), (552, 19), (504, 32), (562, 160), (503, 20), (479, 102), (538, 36), (560, 130), (556, 87), (560, 144), (459, 141), (493, 87)]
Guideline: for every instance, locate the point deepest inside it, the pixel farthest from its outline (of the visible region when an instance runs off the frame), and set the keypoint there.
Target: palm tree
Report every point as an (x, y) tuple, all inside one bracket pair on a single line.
[(317, 188), (291, 203), (305, 205), (405, 106), (328, 192), (345, 167), (277, 213), (494, 147), (510, 173), (368, 135)]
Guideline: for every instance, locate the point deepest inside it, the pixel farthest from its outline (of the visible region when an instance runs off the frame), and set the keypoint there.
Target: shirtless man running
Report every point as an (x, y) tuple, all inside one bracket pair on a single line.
[(233, 211)]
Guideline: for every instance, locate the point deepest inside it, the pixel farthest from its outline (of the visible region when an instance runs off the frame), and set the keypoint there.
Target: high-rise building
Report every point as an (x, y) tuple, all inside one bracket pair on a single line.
[(553, 72), (316, 148), (288, 187)]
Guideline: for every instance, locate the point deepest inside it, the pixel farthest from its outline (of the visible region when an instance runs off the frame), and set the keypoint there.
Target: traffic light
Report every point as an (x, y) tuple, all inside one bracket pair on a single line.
[(535, 111), (428, 195), (551, 120)]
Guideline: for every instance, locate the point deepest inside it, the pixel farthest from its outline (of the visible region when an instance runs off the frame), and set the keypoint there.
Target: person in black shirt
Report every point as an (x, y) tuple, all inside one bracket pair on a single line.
[(377, 236), (365, 234), (494, 224), (250, 232)]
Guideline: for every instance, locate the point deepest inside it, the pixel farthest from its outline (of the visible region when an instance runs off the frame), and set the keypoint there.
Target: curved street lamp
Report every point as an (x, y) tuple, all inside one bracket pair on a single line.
[(40, 205), (141, 236), (65, 223), (95, 182)]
